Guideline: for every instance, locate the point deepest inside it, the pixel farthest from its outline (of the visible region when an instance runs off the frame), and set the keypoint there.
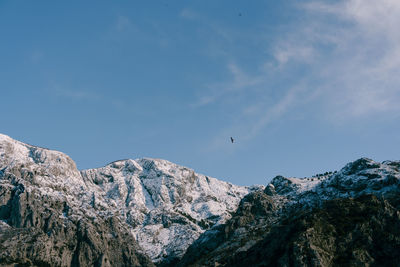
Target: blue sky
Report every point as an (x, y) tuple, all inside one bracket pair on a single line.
[(303, 87)]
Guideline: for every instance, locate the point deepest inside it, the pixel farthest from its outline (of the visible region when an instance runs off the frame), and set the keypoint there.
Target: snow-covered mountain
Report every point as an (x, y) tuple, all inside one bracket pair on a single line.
[(350, 218), (52, 214), (361, 177), (168, 206), (165, 206)]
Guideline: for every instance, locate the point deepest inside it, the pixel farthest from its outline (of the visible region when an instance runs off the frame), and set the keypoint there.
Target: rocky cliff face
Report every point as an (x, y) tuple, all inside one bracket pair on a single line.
[(147, 207), (167, 206), (342, 232), (349, 218), (149, 212), (46, 215)]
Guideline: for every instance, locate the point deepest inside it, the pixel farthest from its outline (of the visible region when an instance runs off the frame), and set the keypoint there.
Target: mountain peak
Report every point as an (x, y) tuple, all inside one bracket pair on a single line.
[(359, 165), (148, 195), (162, 206)]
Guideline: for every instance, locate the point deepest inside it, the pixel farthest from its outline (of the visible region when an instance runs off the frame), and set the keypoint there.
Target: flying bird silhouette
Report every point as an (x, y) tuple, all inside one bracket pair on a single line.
[(232, 140)]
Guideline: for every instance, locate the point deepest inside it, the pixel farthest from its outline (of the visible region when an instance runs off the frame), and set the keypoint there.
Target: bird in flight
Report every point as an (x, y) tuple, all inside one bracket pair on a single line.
[(232, 140)]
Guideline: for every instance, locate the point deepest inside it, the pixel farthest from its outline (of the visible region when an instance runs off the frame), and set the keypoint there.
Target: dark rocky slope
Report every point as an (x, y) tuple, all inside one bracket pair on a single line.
[(41, 230), (127, 213), (256, 213), (350, 218), (51, 214), (47, 216), (345, 232)]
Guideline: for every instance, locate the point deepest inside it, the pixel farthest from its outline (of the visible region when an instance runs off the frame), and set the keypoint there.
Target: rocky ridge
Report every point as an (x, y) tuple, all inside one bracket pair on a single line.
[(350, 217), (155, 207), (166, 205), (46, 216), (52, 214)]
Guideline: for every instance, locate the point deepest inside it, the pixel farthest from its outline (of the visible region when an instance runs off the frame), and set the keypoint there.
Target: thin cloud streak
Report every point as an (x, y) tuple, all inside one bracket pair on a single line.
[(350, 54), (86, 96), (274, 112), (353, 50), (123, 23), (214, 26), (365, 63), (76, 95), (240, 81)]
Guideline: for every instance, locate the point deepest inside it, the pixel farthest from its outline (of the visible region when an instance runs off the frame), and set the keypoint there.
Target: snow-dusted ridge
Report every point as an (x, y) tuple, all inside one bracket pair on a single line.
[(361, 177), (293, 221), (167, 206)]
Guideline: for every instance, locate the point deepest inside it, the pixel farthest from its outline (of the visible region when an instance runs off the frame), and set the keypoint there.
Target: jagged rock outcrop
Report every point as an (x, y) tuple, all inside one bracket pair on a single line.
[(46, 218), (167, 206), (159, 205), (149, 212), (350, 218), (343, 232), (256, 213)]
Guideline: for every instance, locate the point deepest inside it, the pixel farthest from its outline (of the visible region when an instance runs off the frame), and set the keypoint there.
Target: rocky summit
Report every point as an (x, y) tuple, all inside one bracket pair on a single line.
[(348, 218), (151, 208), (151, 212)]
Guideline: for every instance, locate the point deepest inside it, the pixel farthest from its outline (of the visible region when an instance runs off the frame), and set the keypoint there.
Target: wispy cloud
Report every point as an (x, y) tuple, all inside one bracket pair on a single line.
[(123, 23), (290, 51), (354, 48), (361, 68), (238, 83), (273, 112), (86, 96), (210, 25), (349, 56), (76, 95), (188, 13)]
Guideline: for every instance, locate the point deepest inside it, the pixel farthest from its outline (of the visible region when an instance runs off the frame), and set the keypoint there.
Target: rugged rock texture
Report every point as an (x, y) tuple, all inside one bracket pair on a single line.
[(350, 218), (256, 213), (148, 211), (46, 218), (344, 232), (85, 217), (81, 243), (166, 205)]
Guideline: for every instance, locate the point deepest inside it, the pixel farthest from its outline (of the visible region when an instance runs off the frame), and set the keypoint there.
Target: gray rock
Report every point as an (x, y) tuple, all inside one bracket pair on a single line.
[(344, 232), (51, 214), (270, 190), (159, 205), (43, 218), (350, 218)]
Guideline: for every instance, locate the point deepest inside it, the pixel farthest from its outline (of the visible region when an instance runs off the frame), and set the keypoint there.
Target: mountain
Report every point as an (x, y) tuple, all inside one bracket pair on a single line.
[(166, 206), (151, 212), (152, 208), (350, 218), (47, 217)]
